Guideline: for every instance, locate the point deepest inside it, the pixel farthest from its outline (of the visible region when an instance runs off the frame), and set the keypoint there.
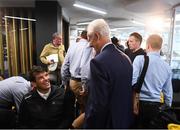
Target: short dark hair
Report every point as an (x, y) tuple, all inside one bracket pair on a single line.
[(84, 34), (34, 71), (137, 36), (114, 40)]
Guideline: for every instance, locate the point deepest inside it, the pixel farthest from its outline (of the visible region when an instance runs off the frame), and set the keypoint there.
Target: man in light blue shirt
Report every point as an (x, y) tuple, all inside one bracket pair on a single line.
[(74, 59), (12, 91), (157, 80), (75, 68)]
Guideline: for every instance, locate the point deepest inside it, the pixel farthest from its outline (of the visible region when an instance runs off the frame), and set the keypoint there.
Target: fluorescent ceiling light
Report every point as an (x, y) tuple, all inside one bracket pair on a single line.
[(81, 29), (20, 18), (121, 28), (136, 22), (83, 23), (88, 7)]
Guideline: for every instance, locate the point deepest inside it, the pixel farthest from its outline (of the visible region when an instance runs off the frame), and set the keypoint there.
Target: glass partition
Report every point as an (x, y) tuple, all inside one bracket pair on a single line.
[(175, 55)]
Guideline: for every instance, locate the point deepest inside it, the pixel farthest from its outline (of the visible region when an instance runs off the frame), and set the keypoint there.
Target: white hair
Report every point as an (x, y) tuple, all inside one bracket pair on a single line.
[(100, 26), (56, 34)]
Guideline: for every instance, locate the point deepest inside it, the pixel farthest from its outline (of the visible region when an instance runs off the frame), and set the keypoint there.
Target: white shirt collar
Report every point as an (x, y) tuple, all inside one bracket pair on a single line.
[(105, 46), (46, 95), (82, 40)]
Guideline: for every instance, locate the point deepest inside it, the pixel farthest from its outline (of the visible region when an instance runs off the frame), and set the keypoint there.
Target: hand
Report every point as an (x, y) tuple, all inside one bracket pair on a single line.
[(83, 92), (136, 108), (78, 122), (50, 62), (135, 103)]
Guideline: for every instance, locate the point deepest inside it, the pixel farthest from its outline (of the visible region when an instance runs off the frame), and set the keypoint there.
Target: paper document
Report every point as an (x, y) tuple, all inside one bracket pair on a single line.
[(52, 57)]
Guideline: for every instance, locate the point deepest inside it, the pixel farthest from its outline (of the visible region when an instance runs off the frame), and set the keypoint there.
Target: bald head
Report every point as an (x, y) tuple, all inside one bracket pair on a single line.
[(154, 42)]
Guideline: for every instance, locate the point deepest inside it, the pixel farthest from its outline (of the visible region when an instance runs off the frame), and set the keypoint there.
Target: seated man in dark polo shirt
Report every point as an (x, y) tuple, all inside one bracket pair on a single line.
[(46, 106)]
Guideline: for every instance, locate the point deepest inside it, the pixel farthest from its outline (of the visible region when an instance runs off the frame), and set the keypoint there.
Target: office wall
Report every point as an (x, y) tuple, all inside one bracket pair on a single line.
[(48, 20), (17, 40)]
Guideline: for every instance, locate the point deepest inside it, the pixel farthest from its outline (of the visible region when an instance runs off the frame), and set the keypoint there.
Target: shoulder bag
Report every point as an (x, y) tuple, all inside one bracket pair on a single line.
[(137, 86)]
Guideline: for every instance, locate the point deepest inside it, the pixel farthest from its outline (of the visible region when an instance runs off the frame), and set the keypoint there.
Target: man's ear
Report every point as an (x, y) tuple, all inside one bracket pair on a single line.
[(147, 46), (33, 84), (96, 36)]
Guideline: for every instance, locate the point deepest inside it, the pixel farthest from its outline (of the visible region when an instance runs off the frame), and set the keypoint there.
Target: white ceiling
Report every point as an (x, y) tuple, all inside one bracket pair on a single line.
[(119, 12)]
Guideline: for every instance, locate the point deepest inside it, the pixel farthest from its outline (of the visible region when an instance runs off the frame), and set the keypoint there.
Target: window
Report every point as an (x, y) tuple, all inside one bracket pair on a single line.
[(175, 55)]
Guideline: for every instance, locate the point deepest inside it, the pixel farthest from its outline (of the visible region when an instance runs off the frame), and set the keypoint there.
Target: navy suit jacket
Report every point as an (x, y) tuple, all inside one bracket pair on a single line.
[(110, 93)]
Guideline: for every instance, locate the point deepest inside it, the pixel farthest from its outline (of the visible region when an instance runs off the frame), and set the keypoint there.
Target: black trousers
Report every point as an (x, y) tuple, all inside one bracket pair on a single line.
[(7, 119), (55, 77), (147, 112)]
